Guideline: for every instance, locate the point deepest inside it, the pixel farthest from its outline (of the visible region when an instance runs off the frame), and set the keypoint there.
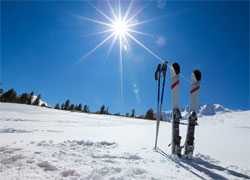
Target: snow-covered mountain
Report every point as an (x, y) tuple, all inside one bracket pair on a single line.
[(43, 143), (212, 109), (204, 110)]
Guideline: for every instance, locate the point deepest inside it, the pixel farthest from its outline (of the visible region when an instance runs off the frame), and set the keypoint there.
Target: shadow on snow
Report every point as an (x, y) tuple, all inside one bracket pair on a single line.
[(203, 166)]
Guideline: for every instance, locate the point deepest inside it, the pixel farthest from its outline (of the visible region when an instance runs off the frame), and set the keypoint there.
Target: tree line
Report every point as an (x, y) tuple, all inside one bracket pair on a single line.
[(103, 110), (11, 96), (72, 107)]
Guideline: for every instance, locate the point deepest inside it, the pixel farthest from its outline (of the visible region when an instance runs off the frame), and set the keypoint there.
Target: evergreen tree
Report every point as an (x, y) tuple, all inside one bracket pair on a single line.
[(86, 108), (62, 106), (67, 104), (1, 91), (9, 96), (133, 113), (102, 109), (150, 114), (57, 106), (79, 108), (71, 107), (24, 98)]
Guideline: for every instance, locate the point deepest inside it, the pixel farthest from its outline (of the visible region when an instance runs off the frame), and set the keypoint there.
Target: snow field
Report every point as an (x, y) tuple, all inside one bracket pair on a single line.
[(42, 143)]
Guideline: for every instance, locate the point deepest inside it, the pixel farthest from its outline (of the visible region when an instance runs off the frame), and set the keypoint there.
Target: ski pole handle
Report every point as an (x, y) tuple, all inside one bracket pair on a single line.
[(164, 68), (158, 72)]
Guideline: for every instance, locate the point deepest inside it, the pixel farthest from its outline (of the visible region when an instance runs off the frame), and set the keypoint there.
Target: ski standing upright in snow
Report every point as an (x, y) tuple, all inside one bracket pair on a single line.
[(192, 119), (161, 70), (176, 114)]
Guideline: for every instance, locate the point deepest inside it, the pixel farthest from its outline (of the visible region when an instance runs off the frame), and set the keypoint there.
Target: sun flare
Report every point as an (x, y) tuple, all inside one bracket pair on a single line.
[(120, 28)]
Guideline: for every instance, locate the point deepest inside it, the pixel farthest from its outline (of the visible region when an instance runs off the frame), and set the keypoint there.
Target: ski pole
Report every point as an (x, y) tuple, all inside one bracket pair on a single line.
[(158, 79), (164, 70)]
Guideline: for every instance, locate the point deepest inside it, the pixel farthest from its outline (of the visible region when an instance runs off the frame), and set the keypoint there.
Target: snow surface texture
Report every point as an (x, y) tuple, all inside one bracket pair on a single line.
[(42, 143)]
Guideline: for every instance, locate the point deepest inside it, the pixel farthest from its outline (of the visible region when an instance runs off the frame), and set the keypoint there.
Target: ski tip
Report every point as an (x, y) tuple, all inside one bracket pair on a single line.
[(176, 68), (197, 74)]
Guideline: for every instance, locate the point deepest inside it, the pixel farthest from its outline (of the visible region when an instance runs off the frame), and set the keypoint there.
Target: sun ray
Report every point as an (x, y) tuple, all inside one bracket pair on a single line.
[(112, 10), (126, 43), (128, 10), (98, 45), (130, 19), (147, 49), (112, 44), (139, 32), (94, 21), (121, 67), (119, 9), (102, 13), (97, 33), (145, 21)]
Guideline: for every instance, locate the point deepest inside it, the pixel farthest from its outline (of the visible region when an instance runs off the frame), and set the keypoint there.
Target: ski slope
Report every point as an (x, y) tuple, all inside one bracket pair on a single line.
[(42, 143)]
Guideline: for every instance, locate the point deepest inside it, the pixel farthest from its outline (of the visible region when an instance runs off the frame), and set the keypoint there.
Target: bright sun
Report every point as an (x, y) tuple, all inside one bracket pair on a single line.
[(120, 28)]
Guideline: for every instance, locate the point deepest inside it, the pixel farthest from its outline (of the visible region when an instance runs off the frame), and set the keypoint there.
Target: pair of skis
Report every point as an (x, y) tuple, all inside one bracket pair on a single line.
[(160, 72), (192, 119), (176, 115)]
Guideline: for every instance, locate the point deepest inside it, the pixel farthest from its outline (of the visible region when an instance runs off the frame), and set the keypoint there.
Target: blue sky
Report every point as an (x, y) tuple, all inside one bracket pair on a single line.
[(42, 43)]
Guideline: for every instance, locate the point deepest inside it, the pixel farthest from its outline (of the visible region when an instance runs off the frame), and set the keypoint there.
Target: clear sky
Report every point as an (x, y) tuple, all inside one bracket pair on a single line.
[(42, 45)]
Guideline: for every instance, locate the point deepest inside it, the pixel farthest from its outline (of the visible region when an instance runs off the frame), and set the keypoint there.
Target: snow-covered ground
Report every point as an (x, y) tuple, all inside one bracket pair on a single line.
[(42, 143)]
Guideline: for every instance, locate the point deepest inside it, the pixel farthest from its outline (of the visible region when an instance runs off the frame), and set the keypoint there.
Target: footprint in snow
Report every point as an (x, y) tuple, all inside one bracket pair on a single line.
[(46, 166), (69, 172), (12, 159)]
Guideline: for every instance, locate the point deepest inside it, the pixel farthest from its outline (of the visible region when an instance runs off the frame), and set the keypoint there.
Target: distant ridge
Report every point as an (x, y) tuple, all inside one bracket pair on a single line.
[(204, 110)]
